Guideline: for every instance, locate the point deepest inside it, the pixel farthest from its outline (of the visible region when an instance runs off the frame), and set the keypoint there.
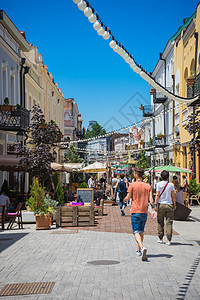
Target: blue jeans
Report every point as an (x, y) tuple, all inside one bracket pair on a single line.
[(138, 222)]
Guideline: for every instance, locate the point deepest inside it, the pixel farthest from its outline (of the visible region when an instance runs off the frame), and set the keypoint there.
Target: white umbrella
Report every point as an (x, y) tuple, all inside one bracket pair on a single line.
[(94, 168)]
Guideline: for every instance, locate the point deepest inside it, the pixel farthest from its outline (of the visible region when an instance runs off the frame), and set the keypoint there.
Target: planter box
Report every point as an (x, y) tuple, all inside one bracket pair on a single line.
[(28, 216), (43, 222), (75, 216)]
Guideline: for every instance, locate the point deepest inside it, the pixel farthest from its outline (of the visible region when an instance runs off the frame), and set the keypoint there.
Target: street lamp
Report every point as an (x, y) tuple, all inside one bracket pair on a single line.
[(20, 136), (54, 154)]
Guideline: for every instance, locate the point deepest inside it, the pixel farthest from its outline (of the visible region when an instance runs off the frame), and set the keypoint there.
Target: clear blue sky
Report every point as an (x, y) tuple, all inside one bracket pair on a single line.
[(104, 86)]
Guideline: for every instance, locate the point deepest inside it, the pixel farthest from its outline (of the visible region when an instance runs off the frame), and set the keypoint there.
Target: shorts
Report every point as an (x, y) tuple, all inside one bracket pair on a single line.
[(138, 222)]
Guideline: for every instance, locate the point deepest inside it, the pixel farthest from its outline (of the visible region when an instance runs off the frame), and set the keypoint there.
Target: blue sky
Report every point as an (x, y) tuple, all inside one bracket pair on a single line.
[(84, 65)]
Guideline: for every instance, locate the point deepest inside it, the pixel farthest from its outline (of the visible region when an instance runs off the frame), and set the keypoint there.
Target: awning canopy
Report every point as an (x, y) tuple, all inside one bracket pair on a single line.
[(10, 163)]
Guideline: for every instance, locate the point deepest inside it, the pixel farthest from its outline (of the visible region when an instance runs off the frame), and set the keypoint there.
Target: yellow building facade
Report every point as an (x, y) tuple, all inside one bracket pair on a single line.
[(186, 69)]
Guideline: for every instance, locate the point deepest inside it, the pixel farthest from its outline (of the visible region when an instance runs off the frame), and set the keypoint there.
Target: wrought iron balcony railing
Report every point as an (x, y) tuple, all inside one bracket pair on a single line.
[(147, 111), (14, 118), (197, 85), (159, 142), (158, 97)]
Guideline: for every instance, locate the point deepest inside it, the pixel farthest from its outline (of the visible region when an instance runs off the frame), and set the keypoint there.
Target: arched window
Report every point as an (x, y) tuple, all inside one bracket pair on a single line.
[(192, 68)]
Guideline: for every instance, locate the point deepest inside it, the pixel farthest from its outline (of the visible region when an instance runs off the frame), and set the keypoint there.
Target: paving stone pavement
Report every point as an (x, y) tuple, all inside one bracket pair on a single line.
[(171, 272)]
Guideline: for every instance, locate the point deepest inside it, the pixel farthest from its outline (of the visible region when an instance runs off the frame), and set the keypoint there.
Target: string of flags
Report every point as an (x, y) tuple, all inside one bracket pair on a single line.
[(118, 47)]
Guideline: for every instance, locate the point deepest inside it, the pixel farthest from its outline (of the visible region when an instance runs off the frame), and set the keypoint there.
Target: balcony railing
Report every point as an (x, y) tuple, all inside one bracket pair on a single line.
[(14, 118), (159, 142), (148, 111), (158, 97), (197, 85)]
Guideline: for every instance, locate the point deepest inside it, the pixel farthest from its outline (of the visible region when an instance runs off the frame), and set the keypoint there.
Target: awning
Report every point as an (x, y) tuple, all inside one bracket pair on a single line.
[(10, 163)]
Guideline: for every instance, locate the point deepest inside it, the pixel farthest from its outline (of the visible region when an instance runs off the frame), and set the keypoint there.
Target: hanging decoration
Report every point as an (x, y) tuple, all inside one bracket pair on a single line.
[(117, 47)]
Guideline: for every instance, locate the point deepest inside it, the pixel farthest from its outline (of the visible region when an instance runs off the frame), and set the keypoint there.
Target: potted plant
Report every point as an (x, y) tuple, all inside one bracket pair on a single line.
[(6, 106), (152, 91), (160, 136), (142, 142), (42, 205), (142, 107)]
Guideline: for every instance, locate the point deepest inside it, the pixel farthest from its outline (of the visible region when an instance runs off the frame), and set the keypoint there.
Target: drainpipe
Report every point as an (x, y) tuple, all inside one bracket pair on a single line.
[(161, 58), (173, 115)]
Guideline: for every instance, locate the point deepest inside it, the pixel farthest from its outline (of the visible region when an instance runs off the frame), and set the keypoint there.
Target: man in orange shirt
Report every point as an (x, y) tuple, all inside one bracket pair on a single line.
[(140, 192)]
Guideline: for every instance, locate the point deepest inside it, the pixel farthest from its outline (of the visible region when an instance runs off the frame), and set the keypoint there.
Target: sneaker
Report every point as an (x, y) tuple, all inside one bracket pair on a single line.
[(168, 243), (160, 241), (123, 213), (138, 252), (144, 253)]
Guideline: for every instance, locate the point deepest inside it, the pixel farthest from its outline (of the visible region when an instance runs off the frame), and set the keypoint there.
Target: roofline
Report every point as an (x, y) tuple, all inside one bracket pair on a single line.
[(14, 32), (168, 45)]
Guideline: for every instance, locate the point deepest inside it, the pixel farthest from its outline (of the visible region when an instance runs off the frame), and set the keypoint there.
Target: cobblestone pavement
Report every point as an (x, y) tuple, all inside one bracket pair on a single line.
[(113, 222), (171, 272)]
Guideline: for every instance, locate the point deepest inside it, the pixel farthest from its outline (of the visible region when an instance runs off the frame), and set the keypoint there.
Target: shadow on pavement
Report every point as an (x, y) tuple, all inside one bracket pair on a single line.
[(188, 278), (160, 255), (180, 244), (7, 240)]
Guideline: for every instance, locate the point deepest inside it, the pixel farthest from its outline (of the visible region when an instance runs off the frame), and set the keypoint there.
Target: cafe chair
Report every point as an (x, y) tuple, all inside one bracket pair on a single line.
[(2, 216), (195, 198), (16, 215)]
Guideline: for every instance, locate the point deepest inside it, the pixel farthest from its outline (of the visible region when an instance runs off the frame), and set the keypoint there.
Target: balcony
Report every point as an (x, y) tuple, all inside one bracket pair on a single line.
[(197, 85), (159, 142), (14, 118), (158, 97), (147, 111)]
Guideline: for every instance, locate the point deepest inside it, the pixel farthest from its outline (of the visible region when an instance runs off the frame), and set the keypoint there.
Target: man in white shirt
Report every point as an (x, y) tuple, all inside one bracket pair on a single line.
[(90, 182), (114, 183), (165, 204), (4, 200)]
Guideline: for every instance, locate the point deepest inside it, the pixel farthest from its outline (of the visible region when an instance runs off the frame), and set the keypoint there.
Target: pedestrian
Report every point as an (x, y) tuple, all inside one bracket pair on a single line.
[(176, 184), (90, 182), (165, 204), (114, 183), (185, 184), (141, 193), (4, 200), (121, 187)]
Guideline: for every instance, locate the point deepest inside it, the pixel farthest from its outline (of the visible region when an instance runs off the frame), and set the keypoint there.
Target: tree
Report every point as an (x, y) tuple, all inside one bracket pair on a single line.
[(193, 127), (71, 156), (96, 130), (36, 155), (143, 161)]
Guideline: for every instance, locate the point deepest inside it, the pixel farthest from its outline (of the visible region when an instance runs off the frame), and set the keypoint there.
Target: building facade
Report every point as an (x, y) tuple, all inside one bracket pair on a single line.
[(187, 83)]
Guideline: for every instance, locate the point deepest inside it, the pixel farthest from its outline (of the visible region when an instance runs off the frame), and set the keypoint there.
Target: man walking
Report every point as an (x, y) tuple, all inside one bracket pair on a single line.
[(114, 183), (121, 187), (165, 204), (140, 192)]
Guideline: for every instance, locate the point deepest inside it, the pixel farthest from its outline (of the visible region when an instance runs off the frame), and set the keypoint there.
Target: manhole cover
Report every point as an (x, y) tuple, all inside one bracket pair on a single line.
[(103, 262), (27, 288)]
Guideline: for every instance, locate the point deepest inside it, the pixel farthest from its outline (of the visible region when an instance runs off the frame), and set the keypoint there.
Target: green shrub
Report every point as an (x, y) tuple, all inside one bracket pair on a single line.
[(83, 185), (59, 196), (55, 178), (36, 201), (193, 187)]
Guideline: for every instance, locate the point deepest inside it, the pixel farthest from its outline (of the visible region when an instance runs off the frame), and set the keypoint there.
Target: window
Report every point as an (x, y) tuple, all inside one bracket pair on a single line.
[(4, 84)]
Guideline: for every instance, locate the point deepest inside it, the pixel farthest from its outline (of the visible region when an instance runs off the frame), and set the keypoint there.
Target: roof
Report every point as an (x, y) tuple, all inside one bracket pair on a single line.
[(186, 22), (14, 32)]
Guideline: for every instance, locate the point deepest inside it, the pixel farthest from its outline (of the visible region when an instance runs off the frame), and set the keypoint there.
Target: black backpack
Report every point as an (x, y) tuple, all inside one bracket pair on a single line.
[(122, 186)]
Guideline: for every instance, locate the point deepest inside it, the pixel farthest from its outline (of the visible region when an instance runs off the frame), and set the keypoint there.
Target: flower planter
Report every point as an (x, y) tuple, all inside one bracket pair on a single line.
[(43, 222), (7, 107)]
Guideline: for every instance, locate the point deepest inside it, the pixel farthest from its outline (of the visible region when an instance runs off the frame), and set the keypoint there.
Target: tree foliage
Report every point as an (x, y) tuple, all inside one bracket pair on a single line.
[(96, 130), (36, 155), (59, 196), (193, 127), (71, 156), (143, 161)]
